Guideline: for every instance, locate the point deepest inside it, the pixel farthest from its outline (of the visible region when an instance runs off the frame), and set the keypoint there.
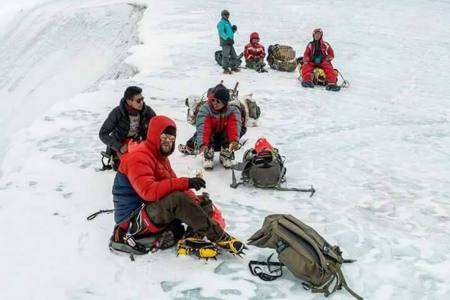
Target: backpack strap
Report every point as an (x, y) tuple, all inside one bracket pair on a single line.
[(343, 283), (275, 269)]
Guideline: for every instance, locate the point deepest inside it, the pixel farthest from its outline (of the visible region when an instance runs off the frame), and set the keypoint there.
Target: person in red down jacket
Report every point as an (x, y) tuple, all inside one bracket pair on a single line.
[(149, 197), (254, 54), (318, 53)]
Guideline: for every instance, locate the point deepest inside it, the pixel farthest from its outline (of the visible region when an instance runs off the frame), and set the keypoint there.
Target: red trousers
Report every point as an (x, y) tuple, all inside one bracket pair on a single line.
[(327, 67)]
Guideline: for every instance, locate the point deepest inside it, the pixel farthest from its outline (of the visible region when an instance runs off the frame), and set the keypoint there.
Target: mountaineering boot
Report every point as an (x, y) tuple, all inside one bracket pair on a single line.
[(227, 71), (208, 159), (333, 87), (185, 149), (231, 244), (122, 241), (196, 246), (235, 70), (226, 158), (307, 84)]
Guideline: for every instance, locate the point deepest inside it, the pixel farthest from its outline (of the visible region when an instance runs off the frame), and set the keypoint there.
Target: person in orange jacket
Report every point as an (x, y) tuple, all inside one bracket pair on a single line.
[(318, 53), (149, 197)]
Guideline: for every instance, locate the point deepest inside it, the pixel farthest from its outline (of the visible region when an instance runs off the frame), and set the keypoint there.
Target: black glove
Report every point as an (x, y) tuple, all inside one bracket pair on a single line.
[(234, 28), (196, 183)]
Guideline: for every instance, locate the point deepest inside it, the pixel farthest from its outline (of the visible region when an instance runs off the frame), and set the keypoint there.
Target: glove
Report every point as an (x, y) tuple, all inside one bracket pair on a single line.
[(233, 146), (196, 183), (234, 28)]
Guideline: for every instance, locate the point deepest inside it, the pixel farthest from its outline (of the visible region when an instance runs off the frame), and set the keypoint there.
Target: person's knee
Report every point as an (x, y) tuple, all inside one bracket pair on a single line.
[(176, 197)]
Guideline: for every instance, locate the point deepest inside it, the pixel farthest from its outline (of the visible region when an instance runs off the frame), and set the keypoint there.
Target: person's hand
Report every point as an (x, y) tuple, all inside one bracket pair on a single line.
[(234, 28), (203, 148), (233, 146), (196, 183), (124, 148)]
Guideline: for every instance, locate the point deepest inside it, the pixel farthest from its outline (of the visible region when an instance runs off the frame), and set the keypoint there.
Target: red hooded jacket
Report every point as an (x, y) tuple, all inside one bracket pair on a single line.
[(150, 172), (254, 50), (326, 49)]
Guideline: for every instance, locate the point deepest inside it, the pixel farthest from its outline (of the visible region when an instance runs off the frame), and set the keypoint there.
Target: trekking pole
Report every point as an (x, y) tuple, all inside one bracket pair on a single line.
[(345, 83), (311, 190), (102, 211), (235, 90)]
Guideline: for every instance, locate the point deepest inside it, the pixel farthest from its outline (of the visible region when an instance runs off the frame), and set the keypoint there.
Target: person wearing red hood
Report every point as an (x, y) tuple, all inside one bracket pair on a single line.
[(254, 54), (149, 198), (318, 53), (219, 128)]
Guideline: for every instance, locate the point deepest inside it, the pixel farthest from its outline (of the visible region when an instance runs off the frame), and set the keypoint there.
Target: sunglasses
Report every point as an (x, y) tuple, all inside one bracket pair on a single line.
[(168, 138), (139, 100), (217, 101)]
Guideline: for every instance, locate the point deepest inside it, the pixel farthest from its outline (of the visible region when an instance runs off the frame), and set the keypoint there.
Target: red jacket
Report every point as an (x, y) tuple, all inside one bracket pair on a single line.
[(210, 122), (148, 171), (254, 50), (326, 49)]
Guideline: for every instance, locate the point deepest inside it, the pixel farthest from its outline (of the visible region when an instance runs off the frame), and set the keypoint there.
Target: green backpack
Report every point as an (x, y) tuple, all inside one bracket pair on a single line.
[(303, 251), (281, 58)]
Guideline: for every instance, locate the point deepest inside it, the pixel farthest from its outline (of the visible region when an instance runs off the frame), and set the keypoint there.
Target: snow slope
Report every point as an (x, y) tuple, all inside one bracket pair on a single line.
[(377, 153)]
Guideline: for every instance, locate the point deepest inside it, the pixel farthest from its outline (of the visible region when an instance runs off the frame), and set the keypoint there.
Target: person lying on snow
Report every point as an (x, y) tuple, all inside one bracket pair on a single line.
[(318, 53), (126, 123), (230, 60), (254, 54), (149, 198), (218, 128)]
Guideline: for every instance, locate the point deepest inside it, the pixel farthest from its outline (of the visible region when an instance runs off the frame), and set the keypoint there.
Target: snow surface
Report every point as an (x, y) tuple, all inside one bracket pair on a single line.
[(377, 153)]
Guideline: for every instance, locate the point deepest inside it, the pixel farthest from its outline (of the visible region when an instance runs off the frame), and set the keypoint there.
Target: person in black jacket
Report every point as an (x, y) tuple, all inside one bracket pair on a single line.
[(126, 122)]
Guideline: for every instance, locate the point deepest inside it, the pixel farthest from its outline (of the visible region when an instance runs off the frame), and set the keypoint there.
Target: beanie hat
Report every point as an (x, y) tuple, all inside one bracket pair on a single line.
[(222, 94), (170, 130), (225, 13)]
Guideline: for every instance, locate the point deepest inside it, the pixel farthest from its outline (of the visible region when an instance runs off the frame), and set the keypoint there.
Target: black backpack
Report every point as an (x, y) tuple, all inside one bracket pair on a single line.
[(265, 169)]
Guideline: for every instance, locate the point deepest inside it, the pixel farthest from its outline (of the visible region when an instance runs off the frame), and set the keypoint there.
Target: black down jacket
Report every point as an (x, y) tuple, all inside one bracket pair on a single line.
[(116, 127)]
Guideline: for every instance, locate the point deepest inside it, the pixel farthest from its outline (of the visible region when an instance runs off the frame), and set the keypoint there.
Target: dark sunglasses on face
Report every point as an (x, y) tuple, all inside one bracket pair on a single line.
[(168, 138), (217, 101), (139, 100)]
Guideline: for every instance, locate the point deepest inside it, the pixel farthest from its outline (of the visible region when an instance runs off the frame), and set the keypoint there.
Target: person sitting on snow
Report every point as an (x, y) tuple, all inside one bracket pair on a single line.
[(254, 54), (230, 60), (149, 198), (218, 128), (318, 53), (126, 122)]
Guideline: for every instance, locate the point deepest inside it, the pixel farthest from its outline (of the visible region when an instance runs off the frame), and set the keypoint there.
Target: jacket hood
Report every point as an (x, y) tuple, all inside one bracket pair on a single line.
[(155, 128), (254, 35), (317, 30)]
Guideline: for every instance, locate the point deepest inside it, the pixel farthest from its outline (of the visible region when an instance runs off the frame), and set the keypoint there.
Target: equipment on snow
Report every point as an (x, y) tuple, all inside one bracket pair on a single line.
[(263, 167), (281, 58), (109, 161), (218, 57), (304, 252), (274, 269), (197, 247)]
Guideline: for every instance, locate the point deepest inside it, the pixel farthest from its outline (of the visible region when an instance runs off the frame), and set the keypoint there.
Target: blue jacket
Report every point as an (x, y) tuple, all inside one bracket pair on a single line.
[(125, 199), (225, 31)]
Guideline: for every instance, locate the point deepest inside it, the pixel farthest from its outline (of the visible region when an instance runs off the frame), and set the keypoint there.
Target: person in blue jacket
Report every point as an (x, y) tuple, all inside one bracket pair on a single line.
[(230, 60)]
